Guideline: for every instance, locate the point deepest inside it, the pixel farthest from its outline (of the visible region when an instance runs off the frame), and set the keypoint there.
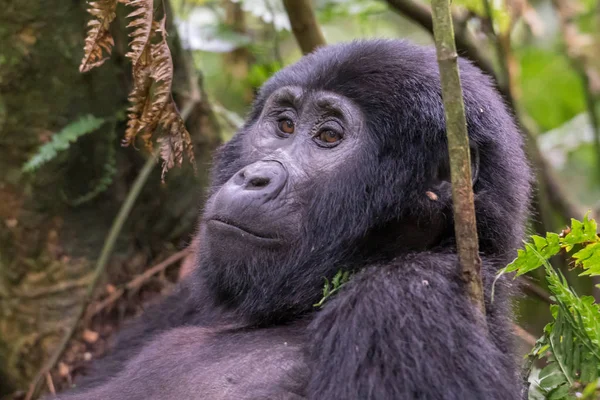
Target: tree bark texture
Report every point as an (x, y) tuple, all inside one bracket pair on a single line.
[(47, 247)]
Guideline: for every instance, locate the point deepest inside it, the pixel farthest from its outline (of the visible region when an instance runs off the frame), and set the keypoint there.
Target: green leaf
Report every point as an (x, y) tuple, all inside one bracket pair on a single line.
[(338, 281), (589, 259), (560, 393), (534, 255), (589, 370), (551, 377), (581, 232), (589, 390), (62, 140)]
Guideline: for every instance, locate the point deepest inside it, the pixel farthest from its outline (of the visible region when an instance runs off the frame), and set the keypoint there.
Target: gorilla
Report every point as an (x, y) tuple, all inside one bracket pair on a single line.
[(341, 165)]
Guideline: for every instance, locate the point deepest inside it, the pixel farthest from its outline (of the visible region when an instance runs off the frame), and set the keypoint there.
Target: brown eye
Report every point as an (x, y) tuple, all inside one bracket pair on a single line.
[(330, 136), (286, 126)]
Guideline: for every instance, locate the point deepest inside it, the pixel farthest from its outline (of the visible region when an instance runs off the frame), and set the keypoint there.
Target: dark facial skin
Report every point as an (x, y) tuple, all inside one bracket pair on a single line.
[(300, 138)]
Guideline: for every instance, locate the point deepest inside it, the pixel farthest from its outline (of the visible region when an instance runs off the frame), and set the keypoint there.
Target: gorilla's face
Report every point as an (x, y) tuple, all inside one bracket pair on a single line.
[(301, 140)]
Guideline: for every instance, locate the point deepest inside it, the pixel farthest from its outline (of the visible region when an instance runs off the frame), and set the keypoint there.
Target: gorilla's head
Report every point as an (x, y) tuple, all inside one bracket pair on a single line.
[(343, 162)]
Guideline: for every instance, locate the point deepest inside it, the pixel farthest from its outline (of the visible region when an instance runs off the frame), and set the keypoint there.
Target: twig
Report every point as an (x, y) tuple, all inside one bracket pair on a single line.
[(304, 24), (50, 383), (465, 226), (524, 335), (535, 290), (139, 280), (233, 119), (505, 73), (54, 289)]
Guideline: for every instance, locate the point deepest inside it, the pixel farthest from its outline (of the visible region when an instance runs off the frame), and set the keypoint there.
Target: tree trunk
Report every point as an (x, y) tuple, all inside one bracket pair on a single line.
[(305, 27), (47, 246)]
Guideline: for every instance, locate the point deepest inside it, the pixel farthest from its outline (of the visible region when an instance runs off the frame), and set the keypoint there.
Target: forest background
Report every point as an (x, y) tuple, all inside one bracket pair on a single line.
[(72, 198)]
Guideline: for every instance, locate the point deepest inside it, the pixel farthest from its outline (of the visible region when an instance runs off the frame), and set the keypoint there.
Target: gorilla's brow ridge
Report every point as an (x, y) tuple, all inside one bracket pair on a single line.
[(287, 94), (334, 107)]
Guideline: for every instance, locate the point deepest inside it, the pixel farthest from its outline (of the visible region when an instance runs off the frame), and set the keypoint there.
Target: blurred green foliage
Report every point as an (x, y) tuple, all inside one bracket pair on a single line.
[(552, 90)]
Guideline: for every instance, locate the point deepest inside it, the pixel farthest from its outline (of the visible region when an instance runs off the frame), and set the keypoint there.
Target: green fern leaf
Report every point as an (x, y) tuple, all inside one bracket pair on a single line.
[(62, 140), (581, 232), (589, 259), (534, 254)]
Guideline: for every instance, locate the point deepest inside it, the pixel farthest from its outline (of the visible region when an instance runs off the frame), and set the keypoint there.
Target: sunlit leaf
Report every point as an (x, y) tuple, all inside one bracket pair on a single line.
[(589, 258)]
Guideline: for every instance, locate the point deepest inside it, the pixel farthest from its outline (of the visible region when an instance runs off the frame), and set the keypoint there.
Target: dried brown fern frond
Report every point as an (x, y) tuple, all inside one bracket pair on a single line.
[(153, 74), (152, 105), (171, 123), (138, 98), (141, 22), (98, 40), (179, 140)]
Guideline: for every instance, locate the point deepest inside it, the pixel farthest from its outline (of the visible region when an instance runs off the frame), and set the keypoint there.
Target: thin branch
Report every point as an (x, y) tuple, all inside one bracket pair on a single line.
[(524, 335), (465, 226), (504, 72), (304, 24), (139, 280), (534, 290)]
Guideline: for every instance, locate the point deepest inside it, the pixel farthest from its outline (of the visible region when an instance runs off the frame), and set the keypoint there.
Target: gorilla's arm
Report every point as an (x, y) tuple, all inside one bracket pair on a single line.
[(406, 331)]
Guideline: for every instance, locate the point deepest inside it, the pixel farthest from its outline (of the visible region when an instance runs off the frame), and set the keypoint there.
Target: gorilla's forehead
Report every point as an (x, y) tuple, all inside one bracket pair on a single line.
[(378, 66)]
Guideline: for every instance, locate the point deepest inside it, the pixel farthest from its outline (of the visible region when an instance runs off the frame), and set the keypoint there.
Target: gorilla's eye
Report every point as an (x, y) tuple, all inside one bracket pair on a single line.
[(286, 126), (329, 136)]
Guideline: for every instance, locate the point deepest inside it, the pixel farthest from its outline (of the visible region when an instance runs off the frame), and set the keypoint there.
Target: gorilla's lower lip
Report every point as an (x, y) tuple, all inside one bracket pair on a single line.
[(228, 224)]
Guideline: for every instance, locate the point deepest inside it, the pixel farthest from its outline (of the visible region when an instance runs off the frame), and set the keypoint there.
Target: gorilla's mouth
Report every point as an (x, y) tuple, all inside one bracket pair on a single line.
[(223, 223)]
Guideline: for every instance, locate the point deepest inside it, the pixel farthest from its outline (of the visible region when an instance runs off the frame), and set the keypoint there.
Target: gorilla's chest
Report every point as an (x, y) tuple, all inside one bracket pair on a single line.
[(261, 364)]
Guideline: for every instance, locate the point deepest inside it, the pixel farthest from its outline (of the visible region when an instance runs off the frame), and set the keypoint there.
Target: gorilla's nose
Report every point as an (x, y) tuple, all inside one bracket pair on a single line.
[(263, 179)]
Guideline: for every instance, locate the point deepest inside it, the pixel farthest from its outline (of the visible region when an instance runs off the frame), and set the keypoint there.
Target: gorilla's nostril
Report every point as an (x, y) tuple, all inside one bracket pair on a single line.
[(258, 182)]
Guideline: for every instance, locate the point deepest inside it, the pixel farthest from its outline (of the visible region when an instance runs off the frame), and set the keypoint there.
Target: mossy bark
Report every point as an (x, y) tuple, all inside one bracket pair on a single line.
[(48, 247)]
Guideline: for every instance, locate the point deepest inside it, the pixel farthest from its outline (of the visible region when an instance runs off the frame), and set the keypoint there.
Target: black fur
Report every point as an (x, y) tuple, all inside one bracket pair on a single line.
[(403, 327)]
